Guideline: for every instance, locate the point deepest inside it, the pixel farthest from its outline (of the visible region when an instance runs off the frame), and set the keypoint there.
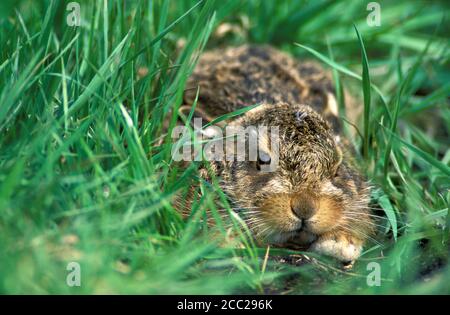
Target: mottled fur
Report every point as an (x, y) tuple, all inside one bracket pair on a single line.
[(246, 75), (316, 198)]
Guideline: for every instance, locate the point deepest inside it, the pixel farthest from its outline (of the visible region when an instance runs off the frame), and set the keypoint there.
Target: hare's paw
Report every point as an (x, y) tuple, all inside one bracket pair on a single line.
[(342, 247)]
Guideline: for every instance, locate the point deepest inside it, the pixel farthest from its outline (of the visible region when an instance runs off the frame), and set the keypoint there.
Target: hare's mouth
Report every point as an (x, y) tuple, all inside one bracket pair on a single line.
[(277, 233), (298, 240), (299, 237), (304, 237)]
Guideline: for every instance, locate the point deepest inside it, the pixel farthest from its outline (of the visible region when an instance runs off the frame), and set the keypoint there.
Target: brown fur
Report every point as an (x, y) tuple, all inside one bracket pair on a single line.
[(316, 197)]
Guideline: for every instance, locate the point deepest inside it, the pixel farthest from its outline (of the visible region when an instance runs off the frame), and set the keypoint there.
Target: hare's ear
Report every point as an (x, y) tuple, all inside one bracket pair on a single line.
[(331, 112), (199, 120)]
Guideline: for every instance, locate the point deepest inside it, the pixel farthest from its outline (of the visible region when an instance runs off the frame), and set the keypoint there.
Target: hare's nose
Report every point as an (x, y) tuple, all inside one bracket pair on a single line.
[(303, 207)]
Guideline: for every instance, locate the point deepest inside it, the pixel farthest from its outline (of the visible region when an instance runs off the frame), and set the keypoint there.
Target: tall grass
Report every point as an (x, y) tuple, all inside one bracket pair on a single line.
[(85, 167)]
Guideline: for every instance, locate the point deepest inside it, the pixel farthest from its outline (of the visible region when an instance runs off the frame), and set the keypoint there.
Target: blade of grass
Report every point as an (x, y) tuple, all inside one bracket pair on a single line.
[(397, 104), (235, 113), (422, 154), (346, 71), (390, 213), (366, 90), (163, 33)]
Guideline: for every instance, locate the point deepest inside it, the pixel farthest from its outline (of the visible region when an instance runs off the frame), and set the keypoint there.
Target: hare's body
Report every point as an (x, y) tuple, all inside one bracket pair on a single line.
[(237, 77), (316, 197)]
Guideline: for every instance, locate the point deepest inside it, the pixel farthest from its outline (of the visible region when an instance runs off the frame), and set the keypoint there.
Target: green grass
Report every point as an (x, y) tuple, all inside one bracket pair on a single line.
[(85, 167)]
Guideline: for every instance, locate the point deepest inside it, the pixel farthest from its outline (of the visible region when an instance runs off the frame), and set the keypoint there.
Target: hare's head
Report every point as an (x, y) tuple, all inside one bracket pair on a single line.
[(299, 186)]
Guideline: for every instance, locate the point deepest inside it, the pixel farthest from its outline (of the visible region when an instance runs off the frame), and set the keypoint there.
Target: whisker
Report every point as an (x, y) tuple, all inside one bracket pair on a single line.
[(358, 232)]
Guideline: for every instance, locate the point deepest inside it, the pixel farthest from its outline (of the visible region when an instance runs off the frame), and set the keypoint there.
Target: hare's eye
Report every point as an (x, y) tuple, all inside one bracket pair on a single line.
[(337, 171), (263, 159)]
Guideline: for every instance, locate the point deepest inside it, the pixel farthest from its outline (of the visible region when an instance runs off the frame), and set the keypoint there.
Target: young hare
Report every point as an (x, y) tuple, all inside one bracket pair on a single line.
[(315, 198)]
